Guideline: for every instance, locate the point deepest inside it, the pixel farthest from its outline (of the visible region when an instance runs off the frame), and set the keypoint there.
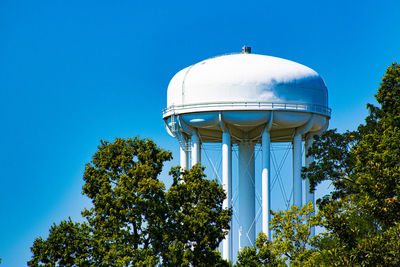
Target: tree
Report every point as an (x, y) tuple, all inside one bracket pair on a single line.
[(197, 220), (261, 254), (291, 233), (291, 240), (362, 214), (68, 244), (133, 220), (128, 201)]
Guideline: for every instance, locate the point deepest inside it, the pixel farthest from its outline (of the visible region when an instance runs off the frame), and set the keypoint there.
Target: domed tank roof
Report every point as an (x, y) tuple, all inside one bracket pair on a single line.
[(247, 81)]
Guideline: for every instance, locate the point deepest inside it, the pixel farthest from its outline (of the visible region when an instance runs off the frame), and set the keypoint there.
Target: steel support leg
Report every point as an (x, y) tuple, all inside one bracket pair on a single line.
[(227, 185), (195, 153), (246, 194), (266, 183), (297, 185), (309, 160), (184, 159)]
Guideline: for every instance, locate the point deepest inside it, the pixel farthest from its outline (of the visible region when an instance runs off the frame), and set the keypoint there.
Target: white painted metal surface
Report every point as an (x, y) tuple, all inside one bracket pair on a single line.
[(309, 196), (227, 185), (297, 186), (266, 178), (183, 158), (309, 160), (247, 78), (246, 194), (196, 149)]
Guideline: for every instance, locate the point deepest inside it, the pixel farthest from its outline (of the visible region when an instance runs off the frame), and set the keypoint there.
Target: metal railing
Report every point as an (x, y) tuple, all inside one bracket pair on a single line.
[(220, 106)]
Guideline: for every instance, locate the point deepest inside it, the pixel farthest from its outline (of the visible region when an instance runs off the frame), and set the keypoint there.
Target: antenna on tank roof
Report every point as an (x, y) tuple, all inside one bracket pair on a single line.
[(246, 50)]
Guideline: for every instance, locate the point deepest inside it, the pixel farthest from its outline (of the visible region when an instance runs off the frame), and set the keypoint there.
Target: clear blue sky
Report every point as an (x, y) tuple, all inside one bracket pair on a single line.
[(74, 72)]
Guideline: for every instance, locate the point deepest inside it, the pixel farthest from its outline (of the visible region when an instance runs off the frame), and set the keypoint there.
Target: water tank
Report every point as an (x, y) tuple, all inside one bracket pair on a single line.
[(244, 100), (244, 88)]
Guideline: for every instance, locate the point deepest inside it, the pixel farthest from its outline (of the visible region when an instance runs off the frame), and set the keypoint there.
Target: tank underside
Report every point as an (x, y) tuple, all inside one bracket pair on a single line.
[(243, 125)]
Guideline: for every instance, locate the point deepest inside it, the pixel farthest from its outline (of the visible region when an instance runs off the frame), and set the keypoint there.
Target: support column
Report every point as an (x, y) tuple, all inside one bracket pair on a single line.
[(227, 185), (183, 159), (246, 194), (195, 153), (266, 183), (297, 185), (309, 160)]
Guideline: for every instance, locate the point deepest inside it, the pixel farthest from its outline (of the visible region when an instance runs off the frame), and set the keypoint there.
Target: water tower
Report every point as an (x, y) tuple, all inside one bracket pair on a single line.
[(242, 100)]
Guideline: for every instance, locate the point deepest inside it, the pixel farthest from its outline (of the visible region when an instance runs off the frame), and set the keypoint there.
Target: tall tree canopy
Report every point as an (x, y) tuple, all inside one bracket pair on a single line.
[(133, 220), (362, 214)]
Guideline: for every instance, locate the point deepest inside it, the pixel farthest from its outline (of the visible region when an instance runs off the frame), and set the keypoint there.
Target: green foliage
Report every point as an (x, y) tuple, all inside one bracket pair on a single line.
[(262, 254), (68, 244), (363, 212), (375, 249), (291, 242), (128, 201), (378, 154), (197, 220), (291, 233), (333, 160), (134, 221)]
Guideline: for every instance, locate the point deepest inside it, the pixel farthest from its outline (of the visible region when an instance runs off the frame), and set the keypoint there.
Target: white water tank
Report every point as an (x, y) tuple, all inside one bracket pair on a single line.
[(245, 87), (244, 100)]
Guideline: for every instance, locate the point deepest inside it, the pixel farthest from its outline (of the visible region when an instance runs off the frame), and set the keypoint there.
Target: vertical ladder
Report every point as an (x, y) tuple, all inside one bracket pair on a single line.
[(184, 142)]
